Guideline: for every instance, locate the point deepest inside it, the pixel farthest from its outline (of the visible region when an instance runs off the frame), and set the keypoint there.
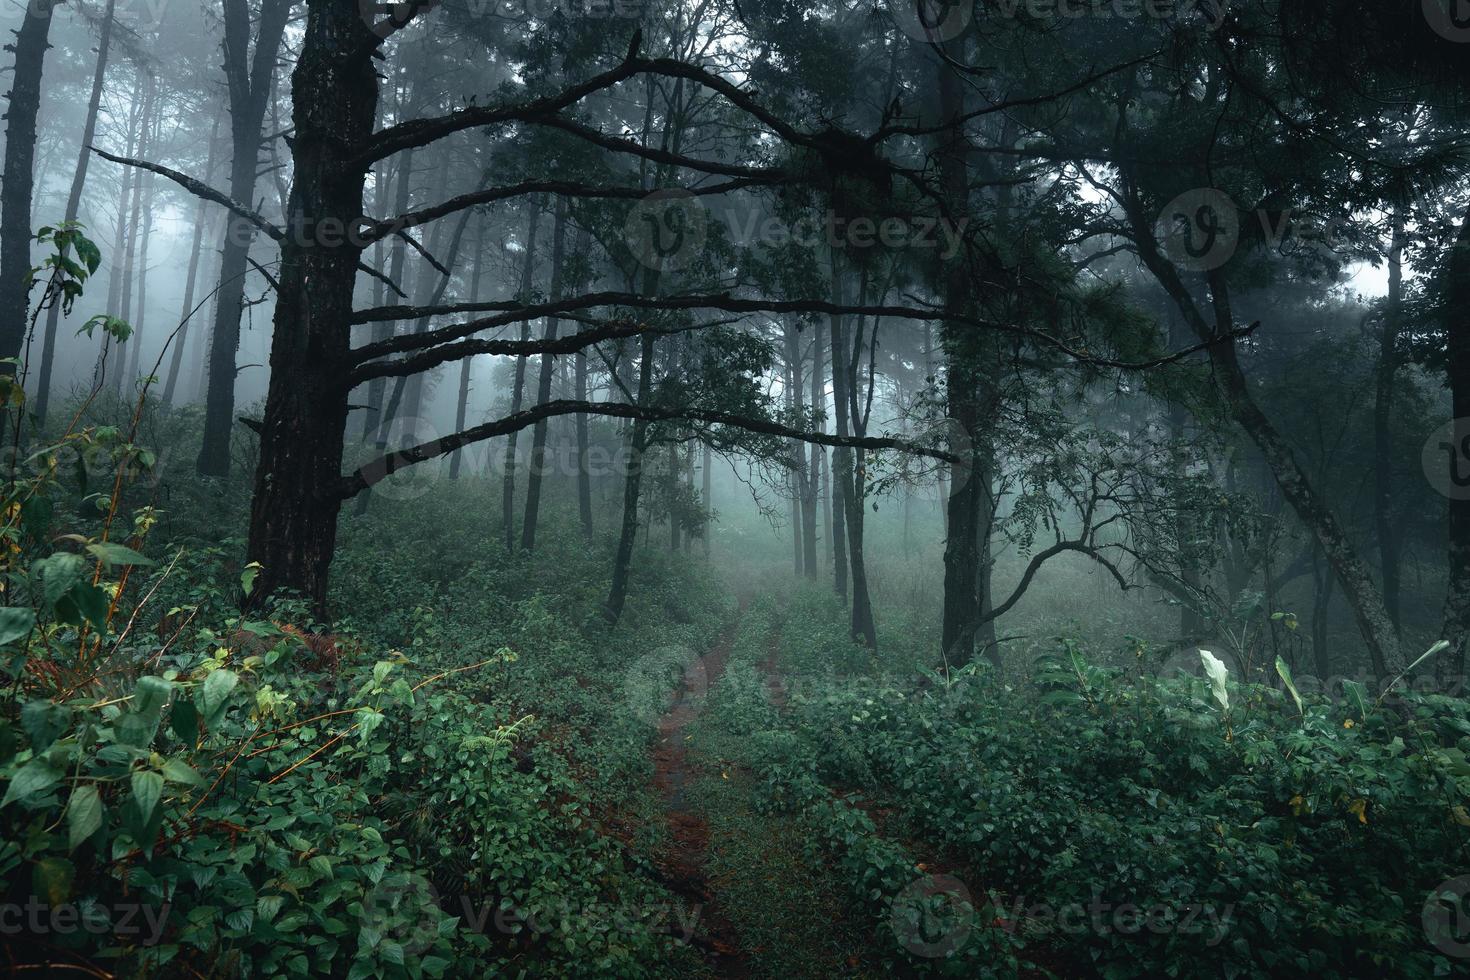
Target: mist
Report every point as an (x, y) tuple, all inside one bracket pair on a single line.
[(631, 488)]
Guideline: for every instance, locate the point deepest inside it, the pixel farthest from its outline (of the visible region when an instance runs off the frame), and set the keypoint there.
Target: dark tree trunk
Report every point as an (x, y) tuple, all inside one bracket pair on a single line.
[(811, 473), (30, 49), (248, 81), (671, 490), (375, 427), (792, 393), (191, 279), (73, 208), (1322, 581), (518, 387), (617, 595), (705, 499), (462, 406), (840, 457), (863, 628), (145, 147), (962, 555), (543, 387), (584, 475), (1390, 539), (1457, 338), (294, 512)]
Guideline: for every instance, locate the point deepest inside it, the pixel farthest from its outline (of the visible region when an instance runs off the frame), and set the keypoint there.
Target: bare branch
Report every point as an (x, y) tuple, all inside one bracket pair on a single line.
[(387, 465)]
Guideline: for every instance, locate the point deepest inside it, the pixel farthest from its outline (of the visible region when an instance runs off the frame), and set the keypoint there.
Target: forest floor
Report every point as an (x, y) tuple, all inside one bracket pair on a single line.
[(686, 856)]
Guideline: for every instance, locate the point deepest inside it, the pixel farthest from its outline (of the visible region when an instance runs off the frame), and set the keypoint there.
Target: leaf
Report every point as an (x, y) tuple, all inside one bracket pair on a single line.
[(44, 721), (89, 601), (33, 777), (179, 771), (368, 720), (150, 696), (214, 693), (247, 577), (1217, 672), (83, 815), (111, 553), (1358, 695), (183, 718), (16, 623), (57, 574), (1285, 674), (147, 789)]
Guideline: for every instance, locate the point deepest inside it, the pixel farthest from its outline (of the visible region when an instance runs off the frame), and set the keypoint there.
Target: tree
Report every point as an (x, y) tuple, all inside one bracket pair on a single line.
[(31, 44), (249, 77)]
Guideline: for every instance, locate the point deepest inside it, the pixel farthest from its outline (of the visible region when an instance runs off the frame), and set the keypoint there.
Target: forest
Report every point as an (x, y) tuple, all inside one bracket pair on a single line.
[(735, 488)]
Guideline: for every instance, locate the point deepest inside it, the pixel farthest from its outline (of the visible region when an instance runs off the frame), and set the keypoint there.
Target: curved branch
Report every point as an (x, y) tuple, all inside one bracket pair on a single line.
[(385, 466), (382, 229), (729, 304)]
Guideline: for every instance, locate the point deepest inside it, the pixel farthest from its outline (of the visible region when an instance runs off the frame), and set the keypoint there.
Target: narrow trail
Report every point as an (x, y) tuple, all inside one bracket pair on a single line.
[(685, 859)]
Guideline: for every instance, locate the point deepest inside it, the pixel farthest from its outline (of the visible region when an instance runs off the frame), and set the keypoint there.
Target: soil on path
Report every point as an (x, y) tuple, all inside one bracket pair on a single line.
[(683, 863)]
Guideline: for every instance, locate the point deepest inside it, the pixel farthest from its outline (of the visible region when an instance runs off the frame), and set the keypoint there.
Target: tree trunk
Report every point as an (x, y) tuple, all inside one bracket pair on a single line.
[(374, 426), (135, 340), (584, 475), (19, 181), (145, 147), (863, 627), (191, 277), (1321, 603), (73, 208), (632, 485), (839, 461), (705, 499), (543, 387), (811, 474), (294, 511), (962, 555), (1390, 539), (1457, 338), (248, 81), (462, 406), (518, 387), (792, 393)]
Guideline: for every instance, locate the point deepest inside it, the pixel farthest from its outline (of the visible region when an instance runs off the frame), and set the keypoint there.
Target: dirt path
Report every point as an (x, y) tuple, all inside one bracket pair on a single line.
[(683, 864)]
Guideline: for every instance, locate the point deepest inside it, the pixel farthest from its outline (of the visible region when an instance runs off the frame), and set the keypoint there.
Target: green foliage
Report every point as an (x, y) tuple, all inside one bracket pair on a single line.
[(1292, 840)]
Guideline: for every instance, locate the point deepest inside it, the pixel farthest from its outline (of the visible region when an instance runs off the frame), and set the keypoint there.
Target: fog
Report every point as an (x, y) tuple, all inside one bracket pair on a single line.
[(627, 488)]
